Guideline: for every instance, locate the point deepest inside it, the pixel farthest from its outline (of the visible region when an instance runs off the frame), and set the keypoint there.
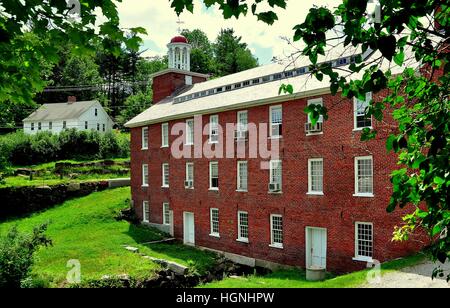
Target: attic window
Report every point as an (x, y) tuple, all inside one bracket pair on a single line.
[(246, 83), (203, 93), (289, 74), (219, 89), (266, 78), (301, 71), (342, 61), (210, 92), (227, 88), (277, 76), (237, 85), (196, 95), (256, 81), (189, 97)]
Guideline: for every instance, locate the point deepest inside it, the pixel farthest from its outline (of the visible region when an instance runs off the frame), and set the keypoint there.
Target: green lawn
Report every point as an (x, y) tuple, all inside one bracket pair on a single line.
[(85, 229), (296, 278)]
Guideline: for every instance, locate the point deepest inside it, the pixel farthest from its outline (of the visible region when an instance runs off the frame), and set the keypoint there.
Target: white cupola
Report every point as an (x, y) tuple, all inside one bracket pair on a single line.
[(179, 52)]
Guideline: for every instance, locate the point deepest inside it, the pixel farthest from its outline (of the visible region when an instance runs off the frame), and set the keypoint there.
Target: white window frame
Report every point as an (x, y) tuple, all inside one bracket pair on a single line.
[(239, 184), (210, 175), (315, 101), (143, 141), (355, 112), (357, 193), (271, 169), (189, 132), (271, 121), (166, 214), (145, 217), (242, 127), (240, 237), (273, 244), (211, 223), (357, 256), (190, 164), (310, 182), (165, 176), (165, 135), (145, 175), (213, 129)]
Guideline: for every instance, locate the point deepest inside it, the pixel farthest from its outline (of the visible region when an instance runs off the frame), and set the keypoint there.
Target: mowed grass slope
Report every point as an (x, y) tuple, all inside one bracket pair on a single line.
[(85, 229)]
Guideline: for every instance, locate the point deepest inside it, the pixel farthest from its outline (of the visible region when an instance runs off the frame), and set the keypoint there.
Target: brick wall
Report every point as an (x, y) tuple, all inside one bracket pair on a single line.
[(337, 210), (165, 85)]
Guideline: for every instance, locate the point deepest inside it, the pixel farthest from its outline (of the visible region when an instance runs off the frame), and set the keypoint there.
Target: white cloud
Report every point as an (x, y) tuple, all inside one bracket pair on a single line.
[(160, 21)]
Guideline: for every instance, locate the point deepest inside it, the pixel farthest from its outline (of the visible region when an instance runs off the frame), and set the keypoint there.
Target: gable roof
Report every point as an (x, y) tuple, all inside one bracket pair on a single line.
[(60, 111)]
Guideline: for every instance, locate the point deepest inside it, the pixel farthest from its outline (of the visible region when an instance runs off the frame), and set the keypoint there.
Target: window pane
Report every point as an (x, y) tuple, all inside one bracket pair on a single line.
[(243, 225), (214, 221), (277, 116), (242, 175), (277, 230), (276, 172), (316, 176), (364, 240), (365, 176), (166, 210), (165, 174)]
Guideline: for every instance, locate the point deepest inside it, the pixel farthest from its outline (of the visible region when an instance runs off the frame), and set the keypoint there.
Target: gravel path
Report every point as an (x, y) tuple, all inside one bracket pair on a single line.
[(418, 276)]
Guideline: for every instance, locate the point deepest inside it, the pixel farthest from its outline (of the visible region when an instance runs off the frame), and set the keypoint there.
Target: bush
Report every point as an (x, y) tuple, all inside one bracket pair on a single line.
[(16, 255), (21, 149)]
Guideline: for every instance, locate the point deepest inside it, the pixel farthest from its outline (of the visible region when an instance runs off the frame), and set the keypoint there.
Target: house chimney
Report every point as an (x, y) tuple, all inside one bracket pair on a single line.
[(71, 99)]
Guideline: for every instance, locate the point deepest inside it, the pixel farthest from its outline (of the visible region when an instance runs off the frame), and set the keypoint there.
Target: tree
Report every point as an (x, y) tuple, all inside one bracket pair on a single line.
[(202, 56), (420, 101), (134, 105), (231, 54)]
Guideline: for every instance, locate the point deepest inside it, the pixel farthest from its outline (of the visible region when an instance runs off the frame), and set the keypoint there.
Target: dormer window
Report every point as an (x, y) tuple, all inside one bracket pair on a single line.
[(237, 86), (302, 70), (256, 81), (203, 93), (266, 79), (277, 76), (289, 74), (342, 61), (218, 90), (246, 83), (227, 88)]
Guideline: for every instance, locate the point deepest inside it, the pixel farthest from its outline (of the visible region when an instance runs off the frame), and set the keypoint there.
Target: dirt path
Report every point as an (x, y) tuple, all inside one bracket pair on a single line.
[(418, 276)]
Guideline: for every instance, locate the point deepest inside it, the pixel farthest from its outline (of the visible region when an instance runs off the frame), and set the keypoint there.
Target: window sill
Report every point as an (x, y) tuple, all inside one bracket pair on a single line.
[(314, 134), (363, 259), (145, 222), (275, 192), (164, 146), (242, 240), (277, 246), (242, 190), (364, 195), (144, 186), (215, 235), (213, 142), (315, 193), (275, 137), (362, 128), (189, 188), (144, 149), (213, 189), (165, 187), (188, 144)]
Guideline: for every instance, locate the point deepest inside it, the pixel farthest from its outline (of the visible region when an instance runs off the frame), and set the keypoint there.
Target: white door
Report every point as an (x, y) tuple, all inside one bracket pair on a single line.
[(316, 245), (189, 229)]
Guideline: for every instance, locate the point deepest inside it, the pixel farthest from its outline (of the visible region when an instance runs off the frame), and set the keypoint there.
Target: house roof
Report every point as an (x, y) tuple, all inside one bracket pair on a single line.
[(60, 111), (192, 100)]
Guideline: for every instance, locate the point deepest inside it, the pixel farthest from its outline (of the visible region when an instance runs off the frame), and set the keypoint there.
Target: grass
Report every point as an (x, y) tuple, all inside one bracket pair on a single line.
[(297, 279), (85, 229)]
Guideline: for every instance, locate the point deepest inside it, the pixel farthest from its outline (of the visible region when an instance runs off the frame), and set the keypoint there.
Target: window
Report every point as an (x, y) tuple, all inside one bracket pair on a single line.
[(96, 112), (104, 127), (145, 175), (85, 124), (165, 175), (277, 76), (246, 83), (218, 90), (276, 230), (166, 214), (64, 124), (266, 78), (214, 218), (214, 129), (276, 173), (242, 121), (276, 119), (242, 175), (39, 125), (145, 211), (145, 138), (189, 132), (242, 226), (165, 135), (32, 126), (289, 74), (50, 125), (237, 85), (363, 241), (315, 176), (214, 175), (190, 175), (317, 101), (256, 81), (98, 126), (364, 176), (360, 107), (227, 88)]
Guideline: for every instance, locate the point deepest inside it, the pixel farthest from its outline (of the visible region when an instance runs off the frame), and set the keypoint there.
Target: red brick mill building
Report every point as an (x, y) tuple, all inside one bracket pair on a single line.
[(320, 203)]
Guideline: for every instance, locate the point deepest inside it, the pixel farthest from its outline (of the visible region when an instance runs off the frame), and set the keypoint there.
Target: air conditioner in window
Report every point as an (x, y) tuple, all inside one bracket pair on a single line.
[(241, 135), (316, 128), (188, 184), (274, 187)]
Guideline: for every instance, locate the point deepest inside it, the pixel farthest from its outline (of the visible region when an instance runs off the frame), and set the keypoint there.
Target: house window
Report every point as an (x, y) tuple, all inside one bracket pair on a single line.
[(39, 125), (237, 85), (32, 126), (166, 214), (242, 175), (145, 138), (275, 175), (145, 211), (145, 175), (64, 124), (363, 241), (189, 175), (85, 124), (165, 135), (104, 127), (50, 125), (214, 129), (227, 88), (242, 121), (98, 126), (189, 132), (165, 175), (360, 107), (317, 101), (315, 176), (96, 112), (266, 79), (214, 175), (214, 219), (218, 90), (242, 226), (289, 74), (246, 83), (276, 119), (277, 76), (276, 230), (364, 176)]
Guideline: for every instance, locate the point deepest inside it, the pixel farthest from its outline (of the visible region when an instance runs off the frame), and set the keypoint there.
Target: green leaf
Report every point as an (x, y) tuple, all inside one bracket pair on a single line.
[(399, 58)]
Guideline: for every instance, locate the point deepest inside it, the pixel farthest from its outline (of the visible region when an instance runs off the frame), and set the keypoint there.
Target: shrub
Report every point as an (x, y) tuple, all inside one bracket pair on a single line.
[(16, 255)]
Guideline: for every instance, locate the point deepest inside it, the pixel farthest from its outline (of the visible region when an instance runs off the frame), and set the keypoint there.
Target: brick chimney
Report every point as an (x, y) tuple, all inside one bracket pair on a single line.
[(71, 99)]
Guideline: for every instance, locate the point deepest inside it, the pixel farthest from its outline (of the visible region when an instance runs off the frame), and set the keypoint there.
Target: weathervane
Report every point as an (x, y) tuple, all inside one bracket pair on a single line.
[(179, 22)]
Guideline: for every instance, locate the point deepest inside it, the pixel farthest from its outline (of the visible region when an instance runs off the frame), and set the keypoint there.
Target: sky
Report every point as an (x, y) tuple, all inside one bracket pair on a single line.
[(264, 41)]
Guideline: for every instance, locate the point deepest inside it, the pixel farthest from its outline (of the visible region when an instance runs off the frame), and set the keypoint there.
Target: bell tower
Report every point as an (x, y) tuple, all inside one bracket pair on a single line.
[(179, 53)]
